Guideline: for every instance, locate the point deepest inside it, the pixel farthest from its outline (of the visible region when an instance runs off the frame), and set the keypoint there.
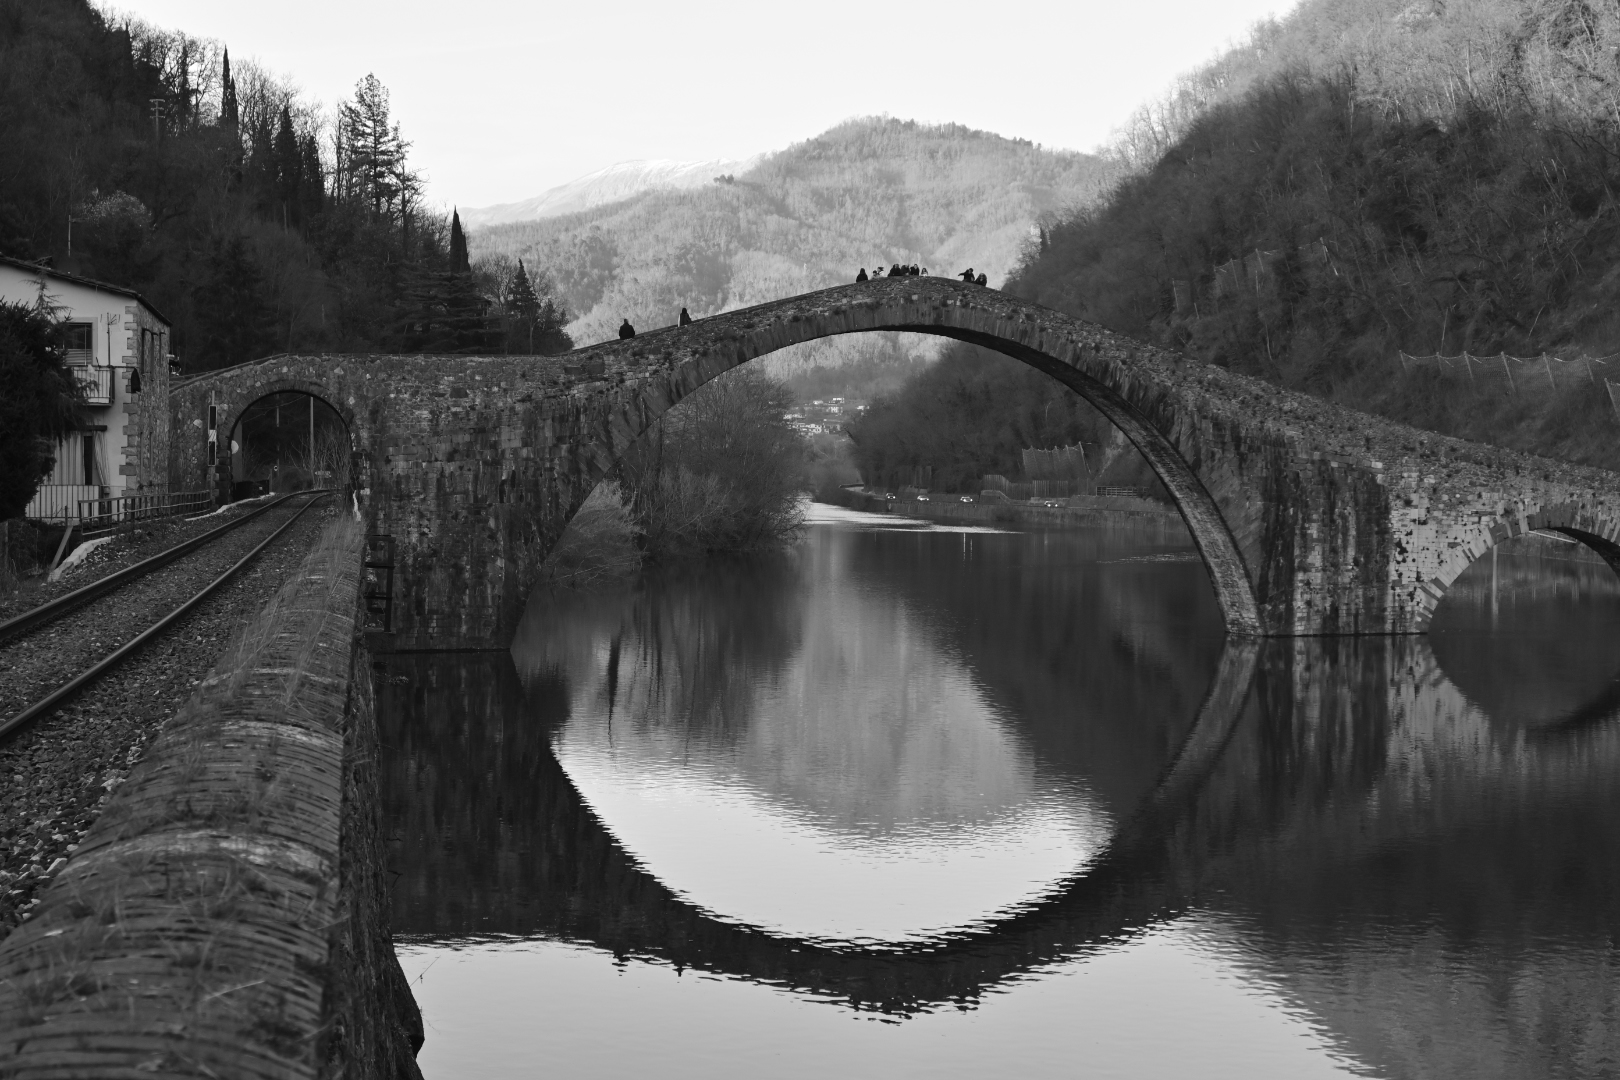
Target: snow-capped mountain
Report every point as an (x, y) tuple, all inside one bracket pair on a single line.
[(607, 185)]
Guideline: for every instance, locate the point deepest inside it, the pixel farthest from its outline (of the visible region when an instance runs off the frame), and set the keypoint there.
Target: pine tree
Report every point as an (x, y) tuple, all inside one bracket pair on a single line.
[(533, 326), (458, 246), (261, 166), (312, 194), (521, 300), (373, 149), (230, 115)]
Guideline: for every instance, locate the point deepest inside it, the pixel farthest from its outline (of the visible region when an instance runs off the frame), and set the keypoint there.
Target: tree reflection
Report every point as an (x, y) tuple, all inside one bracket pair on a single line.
[(1412, 841)]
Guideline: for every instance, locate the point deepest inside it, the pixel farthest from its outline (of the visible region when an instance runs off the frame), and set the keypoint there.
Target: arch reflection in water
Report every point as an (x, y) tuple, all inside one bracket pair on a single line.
[(847, 781), (1371, 850)]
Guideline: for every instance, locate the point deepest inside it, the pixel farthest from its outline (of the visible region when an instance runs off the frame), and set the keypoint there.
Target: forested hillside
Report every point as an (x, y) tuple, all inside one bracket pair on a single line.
[(251, 216), (866, 193), (1372, 178)]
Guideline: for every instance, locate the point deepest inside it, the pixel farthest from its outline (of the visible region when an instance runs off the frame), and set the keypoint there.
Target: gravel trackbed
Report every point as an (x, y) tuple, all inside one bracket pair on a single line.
[(56, 773)]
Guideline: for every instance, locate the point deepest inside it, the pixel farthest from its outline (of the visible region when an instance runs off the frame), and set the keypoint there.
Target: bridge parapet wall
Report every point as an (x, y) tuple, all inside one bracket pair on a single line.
[(226, 914)]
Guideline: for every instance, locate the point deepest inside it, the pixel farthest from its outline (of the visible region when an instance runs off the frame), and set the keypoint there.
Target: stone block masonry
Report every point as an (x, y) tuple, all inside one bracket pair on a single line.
[(1311, 518), (225, 915)]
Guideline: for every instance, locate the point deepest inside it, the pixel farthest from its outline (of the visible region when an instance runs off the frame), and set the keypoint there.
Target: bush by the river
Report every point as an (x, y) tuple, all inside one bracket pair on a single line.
[(723, 472)]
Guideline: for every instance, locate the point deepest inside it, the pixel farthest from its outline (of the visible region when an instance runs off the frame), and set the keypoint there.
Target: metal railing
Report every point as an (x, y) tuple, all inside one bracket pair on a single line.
[(96, 382), (59, 502), (100, 514)]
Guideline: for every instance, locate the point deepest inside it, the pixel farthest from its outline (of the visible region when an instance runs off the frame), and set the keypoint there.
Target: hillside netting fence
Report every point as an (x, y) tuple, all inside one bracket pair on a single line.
[(1521, 374)]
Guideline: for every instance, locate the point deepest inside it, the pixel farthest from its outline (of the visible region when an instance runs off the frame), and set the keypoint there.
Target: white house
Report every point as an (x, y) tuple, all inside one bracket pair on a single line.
[(119, 346)]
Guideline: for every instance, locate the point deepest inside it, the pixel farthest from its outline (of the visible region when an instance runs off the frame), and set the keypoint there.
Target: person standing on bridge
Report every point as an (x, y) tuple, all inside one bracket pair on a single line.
[(686, 320), (981, 280), (860, 277), (626, 331), (967, 275)]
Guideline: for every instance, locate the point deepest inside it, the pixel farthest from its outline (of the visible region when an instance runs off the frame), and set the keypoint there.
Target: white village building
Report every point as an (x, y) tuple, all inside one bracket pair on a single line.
[(118, 346)]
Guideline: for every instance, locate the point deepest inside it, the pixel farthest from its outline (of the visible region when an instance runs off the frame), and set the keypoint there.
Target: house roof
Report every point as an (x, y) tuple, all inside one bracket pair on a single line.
[(62, 275)]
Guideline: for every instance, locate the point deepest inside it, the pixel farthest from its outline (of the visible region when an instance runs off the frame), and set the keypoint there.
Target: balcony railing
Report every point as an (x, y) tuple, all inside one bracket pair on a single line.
[(97, 383)]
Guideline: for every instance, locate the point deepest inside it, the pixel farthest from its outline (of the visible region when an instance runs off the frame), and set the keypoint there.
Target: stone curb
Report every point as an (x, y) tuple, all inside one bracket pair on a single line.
[(224, 916)]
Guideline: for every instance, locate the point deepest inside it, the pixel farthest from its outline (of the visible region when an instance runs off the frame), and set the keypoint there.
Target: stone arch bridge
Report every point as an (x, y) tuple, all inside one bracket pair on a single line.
[(1313, 519)]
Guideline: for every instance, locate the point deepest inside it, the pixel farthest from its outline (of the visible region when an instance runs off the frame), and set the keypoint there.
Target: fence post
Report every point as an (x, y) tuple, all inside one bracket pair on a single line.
[(1511, 388), (1613, 399), (1587, 360), (1545, 361), (1468, 362)]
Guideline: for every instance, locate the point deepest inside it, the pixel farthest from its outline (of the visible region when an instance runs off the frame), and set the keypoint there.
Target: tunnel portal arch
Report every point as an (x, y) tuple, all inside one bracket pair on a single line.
[(311, 443)]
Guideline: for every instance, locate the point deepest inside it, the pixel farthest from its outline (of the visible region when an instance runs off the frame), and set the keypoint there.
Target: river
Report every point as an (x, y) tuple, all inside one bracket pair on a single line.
[(911, 800)]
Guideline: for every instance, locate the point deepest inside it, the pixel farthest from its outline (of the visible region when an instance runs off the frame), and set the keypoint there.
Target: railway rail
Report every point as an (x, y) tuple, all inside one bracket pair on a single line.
[(23, 626)]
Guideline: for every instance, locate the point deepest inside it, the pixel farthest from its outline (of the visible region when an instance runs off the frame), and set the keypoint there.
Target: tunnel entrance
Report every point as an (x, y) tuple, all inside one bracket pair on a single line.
[(289, 441)]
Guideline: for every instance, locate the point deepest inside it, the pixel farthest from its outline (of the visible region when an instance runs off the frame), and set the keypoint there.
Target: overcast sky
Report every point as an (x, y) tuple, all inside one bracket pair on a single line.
[(503, 100)]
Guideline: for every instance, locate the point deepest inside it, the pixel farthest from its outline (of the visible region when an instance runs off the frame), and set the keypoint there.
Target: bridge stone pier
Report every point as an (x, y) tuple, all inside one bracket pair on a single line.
[(1313, 519)]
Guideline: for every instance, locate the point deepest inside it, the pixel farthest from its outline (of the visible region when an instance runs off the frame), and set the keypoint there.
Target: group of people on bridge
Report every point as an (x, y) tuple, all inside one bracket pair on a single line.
[(897, 270), (901, 270), (626, 331)]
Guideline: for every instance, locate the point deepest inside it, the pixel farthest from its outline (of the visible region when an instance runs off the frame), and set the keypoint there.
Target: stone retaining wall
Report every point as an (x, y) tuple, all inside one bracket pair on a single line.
[(225, 916)]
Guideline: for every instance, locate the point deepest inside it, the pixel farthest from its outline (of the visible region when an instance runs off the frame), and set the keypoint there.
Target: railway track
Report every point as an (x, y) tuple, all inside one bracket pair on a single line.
[(104, 609)]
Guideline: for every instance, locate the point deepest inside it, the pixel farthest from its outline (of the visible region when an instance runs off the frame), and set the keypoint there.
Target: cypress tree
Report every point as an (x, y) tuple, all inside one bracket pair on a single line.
[(458, 246), (230, 115), (288, 167)]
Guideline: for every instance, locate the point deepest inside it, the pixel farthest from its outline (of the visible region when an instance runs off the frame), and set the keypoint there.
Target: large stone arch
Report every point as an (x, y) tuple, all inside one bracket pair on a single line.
[(1055, 346)]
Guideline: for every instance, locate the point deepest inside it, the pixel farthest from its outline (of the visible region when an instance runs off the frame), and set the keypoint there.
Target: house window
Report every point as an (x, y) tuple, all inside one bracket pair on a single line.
[(78, 342)]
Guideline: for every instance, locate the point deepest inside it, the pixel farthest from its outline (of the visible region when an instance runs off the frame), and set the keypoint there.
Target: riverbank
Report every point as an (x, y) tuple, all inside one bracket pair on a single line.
[(1081, 512)]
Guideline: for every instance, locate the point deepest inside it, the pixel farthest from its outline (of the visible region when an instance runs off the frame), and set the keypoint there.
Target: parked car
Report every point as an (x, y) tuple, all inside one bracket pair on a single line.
[(890, 496), (966, 499), (922, 498)]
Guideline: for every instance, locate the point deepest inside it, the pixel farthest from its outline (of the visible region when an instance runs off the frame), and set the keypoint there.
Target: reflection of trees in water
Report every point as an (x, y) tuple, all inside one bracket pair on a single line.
[(1438, 892), (1437, 886), (1100, 664)]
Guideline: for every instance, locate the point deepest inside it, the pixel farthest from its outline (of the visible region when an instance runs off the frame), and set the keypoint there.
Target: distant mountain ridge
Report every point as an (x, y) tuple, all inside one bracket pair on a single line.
[(612, 184), (865, 193)]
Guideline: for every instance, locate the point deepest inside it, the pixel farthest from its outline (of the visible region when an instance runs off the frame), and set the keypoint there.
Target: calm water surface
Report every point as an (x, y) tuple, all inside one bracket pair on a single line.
[(915, 801)]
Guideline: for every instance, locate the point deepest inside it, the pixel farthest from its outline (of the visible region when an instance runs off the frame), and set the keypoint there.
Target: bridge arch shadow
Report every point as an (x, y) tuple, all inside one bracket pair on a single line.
[(1015, 338)]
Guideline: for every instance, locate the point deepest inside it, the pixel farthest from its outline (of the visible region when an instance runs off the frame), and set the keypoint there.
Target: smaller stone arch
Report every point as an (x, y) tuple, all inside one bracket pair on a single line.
[(1596, 529), (257, 391)]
